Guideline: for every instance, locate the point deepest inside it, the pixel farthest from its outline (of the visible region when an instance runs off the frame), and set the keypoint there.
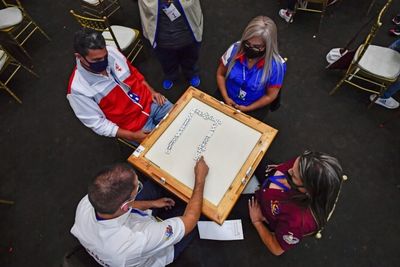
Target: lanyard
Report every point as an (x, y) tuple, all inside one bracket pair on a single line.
[(127, 90)]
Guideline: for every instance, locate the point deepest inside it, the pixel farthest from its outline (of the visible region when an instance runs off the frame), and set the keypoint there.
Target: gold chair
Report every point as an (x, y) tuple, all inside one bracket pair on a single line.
[(126, 39), (17, 23), (100, 8), (375, 65), (126, 143), (304, 6), (8, 69)]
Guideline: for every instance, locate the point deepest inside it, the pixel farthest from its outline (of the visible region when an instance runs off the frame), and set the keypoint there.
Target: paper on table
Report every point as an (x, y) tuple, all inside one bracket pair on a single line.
[(229, 230)]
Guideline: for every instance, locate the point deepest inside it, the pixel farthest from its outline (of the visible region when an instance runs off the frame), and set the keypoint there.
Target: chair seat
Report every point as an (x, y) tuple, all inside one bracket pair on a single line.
[(125, 36), (380, 61), (92, 2), (9, 17), (3, 58)]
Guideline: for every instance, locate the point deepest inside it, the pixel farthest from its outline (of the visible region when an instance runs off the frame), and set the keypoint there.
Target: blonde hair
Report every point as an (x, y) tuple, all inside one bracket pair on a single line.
[(264, 28)]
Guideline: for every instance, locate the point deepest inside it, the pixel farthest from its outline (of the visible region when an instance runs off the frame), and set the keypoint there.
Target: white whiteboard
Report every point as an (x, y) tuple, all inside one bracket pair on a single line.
[(225, 154)]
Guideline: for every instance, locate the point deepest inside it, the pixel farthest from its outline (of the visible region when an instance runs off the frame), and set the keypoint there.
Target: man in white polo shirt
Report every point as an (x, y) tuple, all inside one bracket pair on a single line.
[(117, 231)]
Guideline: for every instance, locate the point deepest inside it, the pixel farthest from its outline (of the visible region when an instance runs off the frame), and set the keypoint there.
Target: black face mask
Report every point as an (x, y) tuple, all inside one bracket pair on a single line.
[(294, 186), (98, 66), (251, 53)]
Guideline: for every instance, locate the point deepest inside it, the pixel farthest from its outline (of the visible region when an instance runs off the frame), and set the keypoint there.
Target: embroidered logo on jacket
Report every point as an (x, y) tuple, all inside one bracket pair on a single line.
[(275, 210), (290, 239), (168, 232), (117, 67)]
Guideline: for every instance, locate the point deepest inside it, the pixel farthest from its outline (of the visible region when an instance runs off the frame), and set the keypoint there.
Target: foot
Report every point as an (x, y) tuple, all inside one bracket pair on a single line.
[(395, 31), (286, 15), (195, 81), (396, 20), (389, 103), (167, 84)]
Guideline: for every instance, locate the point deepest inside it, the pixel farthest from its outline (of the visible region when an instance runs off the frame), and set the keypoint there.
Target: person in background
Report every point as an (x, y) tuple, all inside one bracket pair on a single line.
[(174, 29), (116, 229), (295, 199), (251, 71), (387, 100)]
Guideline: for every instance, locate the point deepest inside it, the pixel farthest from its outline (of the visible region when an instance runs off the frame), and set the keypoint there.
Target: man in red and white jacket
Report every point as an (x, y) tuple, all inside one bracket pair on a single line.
[(108, 94)]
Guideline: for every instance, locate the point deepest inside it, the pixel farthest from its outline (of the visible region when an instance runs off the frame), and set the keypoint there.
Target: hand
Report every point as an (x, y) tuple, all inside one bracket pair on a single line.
[(138, 136), (200, 170), (158, 98), (241, 108), (164, 202), (256, 215), (229, 101)]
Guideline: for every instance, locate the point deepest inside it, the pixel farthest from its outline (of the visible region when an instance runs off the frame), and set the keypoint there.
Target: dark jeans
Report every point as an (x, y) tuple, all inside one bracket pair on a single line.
[(185, 57), (152, 191)]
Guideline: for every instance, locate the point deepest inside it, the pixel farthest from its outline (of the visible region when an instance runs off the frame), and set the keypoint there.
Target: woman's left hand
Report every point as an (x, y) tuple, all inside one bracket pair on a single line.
[(255, 211), (158, 98)]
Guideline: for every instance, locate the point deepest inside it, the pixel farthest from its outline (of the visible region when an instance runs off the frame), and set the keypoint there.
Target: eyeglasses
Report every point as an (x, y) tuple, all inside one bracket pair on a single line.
[(257, 48), (132, 198)]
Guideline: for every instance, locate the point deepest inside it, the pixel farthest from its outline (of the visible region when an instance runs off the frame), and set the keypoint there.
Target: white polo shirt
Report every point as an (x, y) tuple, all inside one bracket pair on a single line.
[(132, 239)]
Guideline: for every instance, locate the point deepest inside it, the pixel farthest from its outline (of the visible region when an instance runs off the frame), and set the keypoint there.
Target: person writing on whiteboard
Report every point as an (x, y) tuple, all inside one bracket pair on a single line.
[(115, 229), (295, 200), (108, 94), (251, 71)]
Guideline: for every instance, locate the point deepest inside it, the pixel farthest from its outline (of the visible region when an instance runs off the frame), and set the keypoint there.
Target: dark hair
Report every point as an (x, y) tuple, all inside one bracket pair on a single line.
[(111, 187), (86, 39), (321, 175)]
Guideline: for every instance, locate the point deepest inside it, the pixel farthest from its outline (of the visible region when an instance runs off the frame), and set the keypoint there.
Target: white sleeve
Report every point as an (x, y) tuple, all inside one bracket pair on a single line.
[(225, 59), (163, 234), (90, 114)]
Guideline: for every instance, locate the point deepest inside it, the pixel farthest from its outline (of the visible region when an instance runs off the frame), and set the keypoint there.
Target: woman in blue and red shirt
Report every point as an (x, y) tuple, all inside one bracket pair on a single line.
[(295, 200)]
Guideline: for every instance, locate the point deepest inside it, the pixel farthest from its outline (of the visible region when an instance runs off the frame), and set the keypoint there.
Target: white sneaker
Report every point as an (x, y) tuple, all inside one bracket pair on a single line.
[(390, 102), (286, 15)]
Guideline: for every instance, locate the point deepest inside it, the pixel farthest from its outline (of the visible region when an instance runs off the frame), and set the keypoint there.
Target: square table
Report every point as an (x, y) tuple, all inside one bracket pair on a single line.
[(231, 142)]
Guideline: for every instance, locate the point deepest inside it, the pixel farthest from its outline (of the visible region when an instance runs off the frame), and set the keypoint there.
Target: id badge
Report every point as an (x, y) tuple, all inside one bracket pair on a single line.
[(242, 94), (134, 97), (172, 12)]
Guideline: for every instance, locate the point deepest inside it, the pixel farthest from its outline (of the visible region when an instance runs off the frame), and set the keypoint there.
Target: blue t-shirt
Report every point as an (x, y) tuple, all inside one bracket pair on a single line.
[(244, 85)]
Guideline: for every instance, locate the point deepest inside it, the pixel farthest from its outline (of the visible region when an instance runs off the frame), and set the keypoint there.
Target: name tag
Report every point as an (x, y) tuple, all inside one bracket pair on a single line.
[(134, 97), (242, 94), (172, 12)]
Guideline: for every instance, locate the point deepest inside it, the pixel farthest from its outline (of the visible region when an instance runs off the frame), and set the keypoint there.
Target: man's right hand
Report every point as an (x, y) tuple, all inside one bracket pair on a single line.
[(200, 171)]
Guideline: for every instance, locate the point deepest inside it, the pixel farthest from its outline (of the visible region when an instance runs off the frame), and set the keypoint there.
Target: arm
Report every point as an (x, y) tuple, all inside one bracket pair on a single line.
[(193, 208), (221, 72), (137, 136), (270, 96), (266, 236), (90, 114), (164, 202)]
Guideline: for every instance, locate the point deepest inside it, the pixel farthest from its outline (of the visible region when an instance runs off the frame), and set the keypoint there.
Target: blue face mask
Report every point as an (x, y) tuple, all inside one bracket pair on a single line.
[(98, 66)]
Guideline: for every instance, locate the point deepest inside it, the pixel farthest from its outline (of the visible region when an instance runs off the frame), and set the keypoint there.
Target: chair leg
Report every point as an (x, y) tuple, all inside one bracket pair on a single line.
[(2, 201), (20, 45), (5, 87), (373, 101), (338, 85), (30, 71), (370, 7)]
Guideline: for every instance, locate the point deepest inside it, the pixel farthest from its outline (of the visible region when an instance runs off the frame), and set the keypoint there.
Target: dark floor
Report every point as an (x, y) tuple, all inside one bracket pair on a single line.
[(48, 156)]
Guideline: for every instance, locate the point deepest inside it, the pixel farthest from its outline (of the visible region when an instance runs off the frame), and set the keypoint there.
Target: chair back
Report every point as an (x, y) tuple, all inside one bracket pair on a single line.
[(371, 35), (97, 24)]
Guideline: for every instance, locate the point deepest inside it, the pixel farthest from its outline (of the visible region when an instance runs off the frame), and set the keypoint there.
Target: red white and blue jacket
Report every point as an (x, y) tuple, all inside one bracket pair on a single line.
[(105, 103)]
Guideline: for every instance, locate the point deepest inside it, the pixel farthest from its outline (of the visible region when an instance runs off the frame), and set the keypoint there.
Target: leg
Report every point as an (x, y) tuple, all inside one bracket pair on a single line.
[(169, 62), (188, 57), (157, 113), (392, 89)]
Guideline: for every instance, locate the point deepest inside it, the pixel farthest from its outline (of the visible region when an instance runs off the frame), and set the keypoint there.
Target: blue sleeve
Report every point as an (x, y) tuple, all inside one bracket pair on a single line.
[(277, 71)]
